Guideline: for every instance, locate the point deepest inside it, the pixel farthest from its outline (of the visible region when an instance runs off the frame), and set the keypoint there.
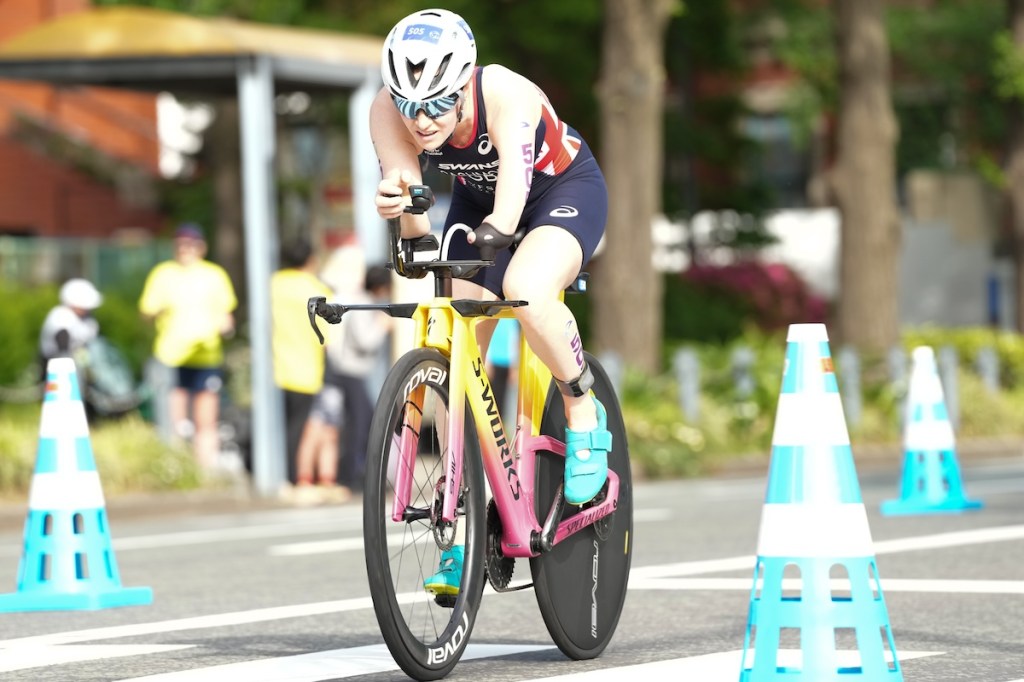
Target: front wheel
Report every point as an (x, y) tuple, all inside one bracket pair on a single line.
[(425, 634), (581, 583)]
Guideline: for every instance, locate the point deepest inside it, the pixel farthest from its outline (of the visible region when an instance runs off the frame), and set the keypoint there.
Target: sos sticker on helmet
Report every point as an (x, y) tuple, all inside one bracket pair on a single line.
[(426, 32)]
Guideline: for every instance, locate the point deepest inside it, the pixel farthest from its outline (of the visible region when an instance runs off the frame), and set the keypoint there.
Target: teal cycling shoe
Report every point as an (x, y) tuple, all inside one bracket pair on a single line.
[(585, 476), (449, 573)]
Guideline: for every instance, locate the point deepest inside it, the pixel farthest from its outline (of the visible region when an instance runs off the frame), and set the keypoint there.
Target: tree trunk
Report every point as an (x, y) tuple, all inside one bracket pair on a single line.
[(627, 289), (864, 180), (1015, 165)]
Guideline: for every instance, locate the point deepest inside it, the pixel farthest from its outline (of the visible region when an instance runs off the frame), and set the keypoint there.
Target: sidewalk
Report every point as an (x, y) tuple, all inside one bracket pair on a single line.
[(165, 504), (885, 456)]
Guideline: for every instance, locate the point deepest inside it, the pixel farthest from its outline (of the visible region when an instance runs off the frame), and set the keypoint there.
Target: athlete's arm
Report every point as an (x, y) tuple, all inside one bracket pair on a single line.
[(399, 163), (513, 113)]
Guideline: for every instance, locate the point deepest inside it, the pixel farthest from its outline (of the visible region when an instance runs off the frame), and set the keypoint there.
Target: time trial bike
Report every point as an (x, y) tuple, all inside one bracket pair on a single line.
[(436, 433)]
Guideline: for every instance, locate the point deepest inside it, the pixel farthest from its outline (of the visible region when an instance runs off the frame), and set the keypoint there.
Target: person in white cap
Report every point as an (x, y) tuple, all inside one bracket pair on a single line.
[(69, 326)]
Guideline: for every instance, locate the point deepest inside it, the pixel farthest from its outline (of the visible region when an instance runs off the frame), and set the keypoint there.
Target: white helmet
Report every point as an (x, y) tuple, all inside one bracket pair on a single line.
[(427, 55), (80, 293)]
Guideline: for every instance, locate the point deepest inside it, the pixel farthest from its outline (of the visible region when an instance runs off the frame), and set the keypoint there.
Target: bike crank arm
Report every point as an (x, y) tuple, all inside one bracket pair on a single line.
[(590, 515), (545, 540)]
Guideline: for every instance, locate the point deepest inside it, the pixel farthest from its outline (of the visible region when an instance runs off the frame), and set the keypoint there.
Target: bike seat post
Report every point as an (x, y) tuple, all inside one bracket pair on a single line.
[(443, 283)]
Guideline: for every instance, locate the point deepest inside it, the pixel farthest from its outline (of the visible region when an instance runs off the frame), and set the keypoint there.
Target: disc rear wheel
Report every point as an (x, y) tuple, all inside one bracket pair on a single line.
[(581, 583)]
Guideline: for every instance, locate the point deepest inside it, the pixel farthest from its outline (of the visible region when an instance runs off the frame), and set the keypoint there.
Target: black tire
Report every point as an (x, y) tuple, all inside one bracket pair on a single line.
[(425, 638), (580, 605)]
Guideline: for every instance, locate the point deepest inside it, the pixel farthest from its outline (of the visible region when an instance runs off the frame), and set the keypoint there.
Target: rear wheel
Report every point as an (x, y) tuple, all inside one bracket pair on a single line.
[(425, 635), (581, 583)]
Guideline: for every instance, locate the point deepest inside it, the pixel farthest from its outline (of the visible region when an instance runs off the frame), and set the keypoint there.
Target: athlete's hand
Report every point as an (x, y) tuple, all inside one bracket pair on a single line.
[(489, 240), (393, 193)]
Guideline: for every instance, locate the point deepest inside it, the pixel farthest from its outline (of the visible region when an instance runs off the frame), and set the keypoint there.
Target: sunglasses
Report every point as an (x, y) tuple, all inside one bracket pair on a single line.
[(434, 108)]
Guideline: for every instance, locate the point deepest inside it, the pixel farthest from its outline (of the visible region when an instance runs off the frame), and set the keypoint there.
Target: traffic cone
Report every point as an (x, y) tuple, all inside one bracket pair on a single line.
[(68, 561), (814, 528), (931, 474)]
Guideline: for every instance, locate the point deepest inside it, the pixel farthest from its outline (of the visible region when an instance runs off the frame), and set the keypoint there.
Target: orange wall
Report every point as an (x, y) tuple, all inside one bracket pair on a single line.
[(36, 193)]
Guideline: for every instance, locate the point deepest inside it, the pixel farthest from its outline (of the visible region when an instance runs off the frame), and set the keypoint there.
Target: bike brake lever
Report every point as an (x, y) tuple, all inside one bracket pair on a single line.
[(311, 309)]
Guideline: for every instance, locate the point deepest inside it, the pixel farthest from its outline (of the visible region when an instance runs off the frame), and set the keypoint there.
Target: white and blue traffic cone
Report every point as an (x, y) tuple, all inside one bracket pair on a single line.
[(67, 561), (931, 482), (814, 533)]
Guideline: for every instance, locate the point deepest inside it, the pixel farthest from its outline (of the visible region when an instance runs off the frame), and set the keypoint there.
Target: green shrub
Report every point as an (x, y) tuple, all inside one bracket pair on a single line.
[(663, 443), (121, 323), (22, 315), (129, 455), (21, 318)]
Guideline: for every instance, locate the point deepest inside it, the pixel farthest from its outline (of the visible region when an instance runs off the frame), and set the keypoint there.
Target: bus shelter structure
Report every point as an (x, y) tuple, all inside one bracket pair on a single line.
[(152, 50)]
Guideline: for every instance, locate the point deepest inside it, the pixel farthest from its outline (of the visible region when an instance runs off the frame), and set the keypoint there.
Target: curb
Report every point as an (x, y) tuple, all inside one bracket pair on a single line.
[(165, 504), (876, 456)]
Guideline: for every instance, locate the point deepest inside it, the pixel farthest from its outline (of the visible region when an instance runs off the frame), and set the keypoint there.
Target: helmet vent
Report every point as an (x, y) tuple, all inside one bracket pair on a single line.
[(414, 72), (440, 71)]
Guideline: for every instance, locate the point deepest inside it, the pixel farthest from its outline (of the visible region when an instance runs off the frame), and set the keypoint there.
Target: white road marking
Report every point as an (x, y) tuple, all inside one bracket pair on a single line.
[(316, 547), (39, 656), (648, 515), (937, 541), (194, 623), (953, 539), (708, 668), (322, 665), (888, 585)]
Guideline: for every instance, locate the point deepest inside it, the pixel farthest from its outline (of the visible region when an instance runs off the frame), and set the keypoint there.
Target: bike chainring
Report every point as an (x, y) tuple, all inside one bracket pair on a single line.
[(444, 532), (499, 566)]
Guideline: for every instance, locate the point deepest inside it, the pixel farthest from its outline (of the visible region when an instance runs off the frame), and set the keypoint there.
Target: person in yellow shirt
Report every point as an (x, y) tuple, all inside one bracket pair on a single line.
[(192, 302), (298, 356)]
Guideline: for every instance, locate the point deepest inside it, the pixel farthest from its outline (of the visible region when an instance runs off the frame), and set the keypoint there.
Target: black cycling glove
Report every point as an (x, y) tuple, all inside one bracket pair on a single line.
[(489, 240)]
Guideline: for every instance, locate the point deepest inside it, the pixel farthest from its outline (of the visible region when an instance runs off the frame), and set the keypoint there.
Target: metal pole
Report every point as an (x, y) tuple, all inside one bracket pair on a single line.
[(366, 171), (256, 111)]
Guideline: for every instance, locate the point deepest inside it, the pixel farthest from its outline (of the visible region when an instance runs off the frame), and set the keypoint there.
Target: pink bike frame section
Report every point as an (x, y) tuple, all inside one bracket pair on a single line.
[(509, 460)]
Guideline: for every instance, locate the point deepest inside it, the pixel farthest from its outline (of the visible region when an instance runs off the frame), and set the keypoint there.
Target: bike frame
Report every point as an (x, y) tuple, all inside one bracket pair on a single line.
[(509, 463)]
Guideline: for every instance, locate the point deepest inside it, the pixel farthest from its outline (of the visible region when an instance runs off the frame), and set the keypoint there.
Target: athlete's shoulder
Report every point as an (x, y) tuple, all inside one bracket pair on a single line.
[(502, 78)]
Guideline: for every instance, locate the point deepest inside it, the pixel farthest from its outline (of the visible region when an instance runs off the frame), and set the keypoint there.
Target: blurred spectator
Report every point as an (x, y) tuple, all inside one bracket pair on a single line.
[(353, 360), (192, 301), (298, 355), (69, 326)]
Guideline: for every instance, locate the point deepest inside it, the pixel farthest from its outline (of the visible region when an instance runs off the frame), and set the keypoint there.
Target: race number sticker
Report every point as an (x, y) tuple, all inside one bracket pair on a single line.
[(431, 34)]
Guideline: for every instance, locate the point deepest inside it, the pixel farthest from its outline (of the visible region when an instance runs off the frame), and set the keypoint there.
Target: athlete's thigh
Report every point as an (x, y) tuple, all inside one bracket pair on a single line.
[(546, 262)]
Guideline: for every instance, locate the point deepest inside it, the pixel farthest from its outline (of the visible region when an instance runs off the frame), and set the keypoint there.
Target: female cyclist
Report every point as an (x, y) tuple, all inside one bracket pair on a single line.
[(516, 165)]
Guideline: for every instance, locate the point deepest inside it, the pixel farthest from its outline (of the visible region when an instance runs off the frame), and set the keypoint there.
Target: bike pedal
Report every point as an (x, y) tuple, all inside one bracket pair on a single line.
[(446, 601)]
